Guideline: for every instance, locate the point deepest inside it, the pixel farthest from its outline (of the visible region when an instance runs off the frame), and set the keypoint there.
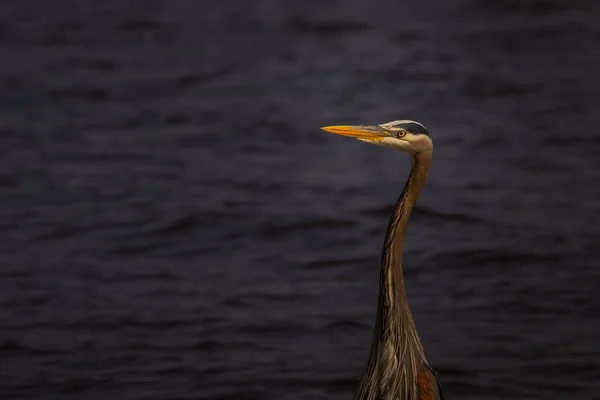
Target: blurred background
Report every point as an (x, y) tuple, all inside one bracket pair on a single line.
[(174, 225)]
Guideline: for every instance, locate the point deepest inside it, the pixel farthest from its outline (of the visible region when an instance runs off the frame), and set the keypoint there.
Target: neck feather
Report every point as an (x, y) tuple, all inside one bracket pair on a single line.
[(396, 351)]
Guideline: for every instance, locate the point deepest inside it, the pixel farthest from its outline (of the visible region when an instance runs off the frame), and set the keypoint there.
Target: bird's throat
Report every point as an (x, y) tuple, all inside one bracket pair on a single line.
[(392, 282), (396, 351)]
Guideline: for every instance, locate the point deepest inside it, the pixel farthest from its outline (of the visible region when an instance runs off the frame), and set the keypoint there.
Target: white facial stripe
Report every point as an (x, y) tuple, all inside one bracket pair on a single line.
[(398, 144), (391, 124)]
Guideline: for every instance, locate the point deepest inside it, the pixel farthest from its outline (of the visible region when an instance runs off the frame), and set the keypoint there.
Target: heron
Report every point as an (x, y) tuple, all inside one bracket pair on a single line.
[(396, 368)]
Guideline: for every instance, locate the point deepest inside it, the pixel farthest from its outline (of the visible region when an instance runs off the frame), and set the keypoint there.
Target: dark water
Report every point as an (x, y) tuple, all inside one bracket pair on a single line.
[(175, 226)]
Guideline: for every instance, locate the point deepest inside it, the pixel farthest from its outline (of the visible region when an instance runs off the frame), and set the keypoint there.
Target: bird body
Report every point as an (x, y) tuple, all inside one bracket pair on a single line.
[(397, 368)]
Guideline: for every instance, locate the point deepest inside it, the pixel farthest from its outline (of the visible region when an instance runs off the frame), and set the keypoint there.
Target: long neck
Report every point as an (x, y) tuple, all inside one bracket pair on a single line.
[(396, 351), (392, 294)]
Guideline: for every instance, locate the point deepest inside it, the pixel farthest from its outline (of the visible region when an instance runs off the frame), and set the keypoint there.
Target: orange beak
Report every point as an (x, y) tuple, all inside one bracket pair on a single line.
[(365, 132)]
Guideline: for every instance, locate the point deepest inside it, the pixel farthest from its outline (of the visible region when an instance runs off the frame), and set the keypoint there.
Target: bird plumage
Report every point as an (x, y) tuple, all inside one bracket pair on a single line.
[(397, 368)]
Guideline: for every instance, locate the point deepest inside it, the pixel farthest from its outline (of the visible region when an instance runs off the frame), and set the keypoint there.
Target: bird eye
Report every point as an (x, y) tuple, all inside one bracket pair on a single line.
[(401, 134)]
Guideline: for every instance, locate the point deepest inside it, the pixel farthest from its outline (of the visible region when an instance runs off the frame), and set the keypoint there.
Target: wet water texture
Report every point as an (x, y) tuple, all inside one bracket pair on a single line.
[(174, 225)]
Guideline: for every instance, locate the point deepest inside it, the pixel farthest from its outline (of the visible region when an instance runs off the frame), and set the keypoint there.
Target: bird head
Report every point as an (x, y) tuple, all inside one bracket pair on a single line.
[(405, 135)]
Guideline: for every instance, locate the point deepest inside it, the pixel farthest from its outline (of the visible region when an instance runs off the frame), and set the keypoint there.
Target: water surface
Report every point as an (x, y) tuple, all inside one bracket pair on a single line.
[(174, 225)]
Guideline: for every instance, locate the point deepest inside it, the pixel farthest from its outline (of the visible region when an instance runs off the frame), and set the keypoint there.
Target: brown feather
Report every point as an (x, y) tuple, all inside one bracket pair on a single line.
[(429, 388)]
